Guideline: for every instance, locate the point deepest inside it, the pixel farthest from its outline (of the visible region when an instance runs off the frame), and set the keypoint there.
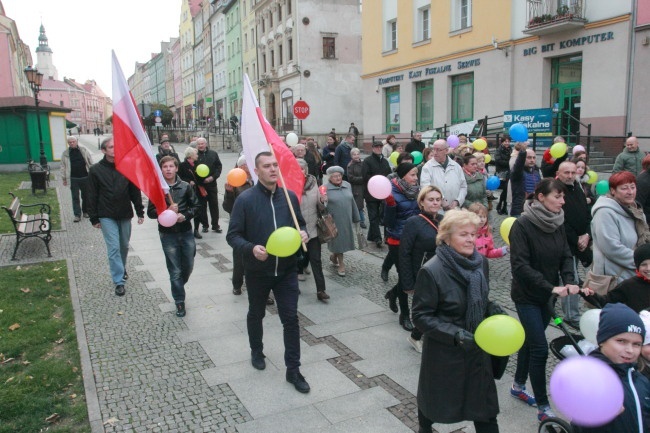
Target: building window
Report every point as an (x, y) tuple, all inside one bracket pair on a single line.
[(423, 22), (270, 20), (462, 98), (280, 54), (272, 53), (263, 62), (424, 105), (289, 49), (391, 35), (279, 13), (329, 48), (288, 7), (392, 109), (287, 109), (461, 14), (263, 27)]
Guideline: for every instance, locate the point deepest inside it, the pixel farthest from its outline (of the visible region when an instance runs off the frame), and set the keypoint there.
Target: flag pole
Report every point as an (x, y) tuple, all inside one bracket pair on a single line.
[(286, 195)]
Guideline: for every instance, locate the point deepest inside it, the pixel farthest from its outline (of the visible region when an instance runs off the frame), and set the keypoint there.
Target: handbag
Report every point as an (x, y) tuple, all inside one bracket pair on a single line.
[(362, 242), (202, 191), (601, 284), (325, 226)]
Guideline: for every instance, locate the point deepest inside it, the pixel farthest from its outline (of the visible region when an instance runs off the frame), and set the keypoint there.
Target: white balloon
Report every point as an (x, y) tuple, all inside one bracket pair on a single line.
[(589, 324), (292, 139)]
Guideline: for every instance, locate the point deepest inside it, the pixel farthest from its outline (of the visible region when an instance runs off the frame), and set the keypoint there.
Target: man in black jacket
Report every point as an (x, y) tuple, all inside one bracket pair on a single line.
[(502, 165), (373, 165), (577, 223), (211, 159), (415, 144), (110, 196), (178, 240), (256, 214)]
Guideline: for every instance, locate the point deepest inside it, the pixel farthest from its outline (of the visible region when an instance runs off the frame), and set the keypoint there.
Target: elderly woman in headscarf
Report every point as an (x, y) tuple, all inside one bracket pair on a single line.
[(341, 204), (312, 201)]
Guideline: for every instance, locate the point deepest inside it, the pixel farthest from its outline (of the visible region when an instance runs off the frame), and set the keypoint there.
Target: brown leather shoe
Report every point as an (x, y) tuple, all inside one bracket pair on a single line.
[(322, 296)]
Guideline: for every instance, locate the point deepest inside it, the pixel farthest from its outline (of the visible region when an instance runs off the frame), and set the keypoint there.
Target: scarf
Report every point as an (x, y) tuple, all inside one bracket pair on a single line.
[(310, 181), (544, 219), (410, 191), (636, 212), (643, 277), (471, 271)]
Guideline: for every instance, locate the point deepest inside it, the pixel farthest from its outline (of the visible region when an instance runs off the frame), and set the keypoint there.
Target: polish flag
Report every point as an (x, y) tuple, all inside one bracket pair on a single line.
[(257, 135), (134, 156)]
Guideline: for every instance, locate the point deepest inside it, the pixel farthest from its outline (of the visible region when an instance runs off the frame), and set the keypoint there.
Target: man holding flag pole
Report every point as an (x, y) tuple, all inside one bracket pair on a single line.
[(256, 214)]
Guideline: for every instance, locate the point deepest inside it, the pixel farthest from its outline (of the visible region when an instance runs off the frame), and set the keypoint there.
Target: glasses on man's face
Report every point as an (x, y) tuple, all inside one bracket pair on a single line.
[(439, 149)]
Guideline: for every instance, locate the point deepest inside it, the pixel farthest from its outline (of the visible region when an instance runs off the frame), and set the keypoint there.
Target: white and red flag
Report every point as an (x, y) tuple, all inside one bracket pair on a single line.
[(257, 135), (134, 156)]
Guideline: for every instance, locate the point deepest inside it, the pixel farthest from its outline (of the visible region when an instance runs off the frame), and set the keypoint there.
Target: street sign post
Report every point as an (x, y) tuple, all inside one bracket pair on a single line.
[(301, 110)]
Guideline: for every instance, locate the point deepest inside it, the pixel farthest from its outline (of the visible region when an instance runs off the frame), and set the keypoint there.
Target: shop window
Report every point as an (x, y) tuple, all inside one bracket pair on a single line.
[(424, 105), (392, 109), (462, 98)]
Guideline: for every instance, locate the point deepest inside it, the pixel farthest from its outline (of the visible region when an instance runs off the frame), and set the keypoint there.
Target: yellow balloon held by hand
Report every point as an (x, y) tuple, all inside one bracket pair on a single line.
[(488, 158), (283, 242), (479, 144), (558, 150), (393, 157), (505, 228), (593, 177), (500, 335), (202, 170)]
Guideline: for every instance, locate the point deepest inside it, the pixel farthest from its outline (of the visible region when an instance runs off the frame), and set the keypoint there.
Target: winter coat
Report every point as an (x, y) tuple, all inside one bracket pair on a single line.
[(502, 159), (328, 157), (450, 180), (475, 189), (550, 165), (188, 205), (111, 195), (372, 165), (342, 156), (629, 161), (577, 220), (633, 292), (211, 159), (395, 216), (636, 388), (519, 174), (257, 213), (537, 261), (355, 177), (387, 149), (309, 207), (417, 245), (163, 152), (643, 192), (229, 197), (615, 238), (65, 161), (485, 244), (456, 382), (341, 205), (414, 145)]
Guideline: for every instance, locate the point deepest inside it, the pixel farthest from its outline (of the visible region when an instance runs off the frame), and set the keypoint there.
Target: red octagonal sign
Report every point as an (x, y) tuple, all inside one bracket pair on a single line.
[(301, 110)]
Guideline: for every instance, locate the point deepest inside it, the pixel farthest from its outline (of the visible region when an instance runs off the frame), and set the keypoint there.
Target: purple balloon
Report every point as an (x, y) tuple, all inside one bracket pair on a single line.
[(453, 141), (167, 218), (586, 390)]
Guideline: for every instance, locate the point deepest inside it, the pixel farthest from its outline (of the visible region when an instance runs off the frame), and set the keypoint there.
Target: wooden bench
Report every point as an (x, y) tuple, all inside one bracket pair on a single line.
[(30, 225)]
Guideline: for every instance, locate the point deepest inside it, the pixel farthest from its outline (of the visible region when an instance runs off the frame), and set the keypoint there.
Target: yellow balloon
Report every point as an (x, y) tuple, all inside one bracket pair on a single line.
[(202, 170), (479, 144), (500, 335), (558, 150), (283, 242), (393, 157), (593, 177), (505, 228), (488, 158)]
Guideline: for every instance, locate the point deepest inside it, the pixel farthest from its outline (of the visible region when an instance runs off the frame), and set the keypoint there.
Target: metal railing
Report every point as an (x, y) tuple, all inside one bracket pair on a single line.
[(542, 12)]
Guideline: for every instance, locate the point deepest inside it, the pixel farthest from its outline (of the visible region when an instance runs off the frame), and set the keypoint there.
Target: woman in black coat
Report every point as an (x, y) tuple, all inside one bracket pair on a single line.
[(418, 245), (187, 172), (451, 299), (540, 255)]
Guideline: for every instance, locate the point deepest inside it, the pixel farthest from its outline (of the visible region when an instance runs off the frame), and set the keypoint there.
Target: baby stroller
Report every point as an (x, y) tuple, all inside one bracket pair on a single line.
[(556, 424)]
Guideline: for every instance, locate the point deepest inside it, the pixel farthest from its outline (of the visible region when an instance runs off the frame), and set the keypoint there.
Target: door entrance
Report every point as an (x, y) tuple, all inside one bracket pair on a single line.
[(566, 88)]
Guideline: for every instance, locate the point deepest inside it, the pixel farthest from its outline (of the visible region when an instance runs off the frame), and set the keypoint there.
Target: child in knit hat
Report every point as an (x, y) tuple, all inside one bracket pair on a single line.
[(634, 291), (621, 334)]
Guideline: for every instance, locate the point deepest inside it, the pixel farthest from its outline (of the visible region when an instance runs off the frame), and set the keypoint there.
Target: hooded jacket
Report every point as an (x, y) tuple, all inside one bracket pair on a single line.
[(635, 417), (629, 161), (615, 238)]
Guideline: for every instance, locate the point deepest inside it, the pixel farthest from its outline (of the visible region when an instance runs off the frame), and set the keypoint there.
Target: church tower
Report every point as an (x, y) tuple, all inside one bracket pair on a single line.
[(44, 57)]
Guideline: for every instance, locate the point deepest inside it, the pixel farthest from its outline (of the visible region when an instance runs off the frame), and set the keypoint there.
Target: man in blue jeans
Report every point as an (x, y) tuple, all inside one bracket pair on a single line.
[(178, 240), (257, 213), (110, 198)]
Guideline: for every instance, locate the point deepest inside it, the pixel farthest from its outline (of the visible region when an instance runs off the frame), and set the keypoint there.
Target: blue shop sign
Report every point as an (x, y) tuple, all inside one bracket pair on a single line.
[(536, 120)]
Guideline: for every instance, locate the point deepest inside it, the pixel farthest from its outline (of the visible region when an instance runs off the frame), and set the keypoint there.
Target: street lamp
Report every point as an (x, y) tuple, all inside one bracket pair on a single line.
[(35, 80)]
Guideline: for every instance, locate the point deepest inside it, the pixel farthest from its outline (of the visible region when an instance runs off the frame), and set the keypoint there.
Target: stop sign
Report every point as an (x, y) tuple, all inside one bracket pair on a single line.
[(301, 110)]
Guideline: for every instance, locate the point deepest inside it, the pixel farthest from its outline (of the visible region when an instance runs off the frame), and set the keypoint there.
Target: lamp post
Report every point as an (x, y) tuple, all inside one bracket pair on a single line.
[(35, 80)]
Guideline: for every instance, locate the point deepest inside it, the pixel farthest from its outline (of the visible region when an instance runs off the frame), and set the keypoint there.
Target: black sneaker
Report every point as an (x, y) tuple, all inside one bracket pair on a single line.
[(298, 381), (205, 229), (180, 309), (257, 360), (126, 276), (119, 290), (384, 274), (236, 291), (197, 235), (217, 229)]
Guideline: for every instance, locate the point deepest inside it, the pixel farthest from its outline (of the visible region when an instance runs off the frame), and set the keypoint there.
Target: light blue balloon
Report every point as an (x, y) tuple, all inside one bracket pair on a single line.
[(518, 132), (493, 183)]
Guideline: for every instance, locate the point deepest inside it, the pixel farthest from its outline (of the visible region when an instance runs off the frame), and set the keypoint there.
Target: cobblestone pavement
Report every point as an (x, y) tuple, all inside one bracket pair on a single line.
[(154, 372)]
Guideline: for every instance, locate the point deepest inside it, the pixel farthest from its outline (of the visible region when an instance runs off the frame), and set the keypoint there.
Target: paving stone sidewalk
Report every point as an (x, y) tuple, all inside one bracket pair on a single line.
[(147, 370)]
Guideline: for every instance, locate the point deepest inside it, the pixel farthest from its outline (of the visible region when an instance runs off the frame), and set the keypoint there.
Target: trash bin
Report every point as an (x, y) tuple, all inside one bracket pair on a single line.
[(38, 176)]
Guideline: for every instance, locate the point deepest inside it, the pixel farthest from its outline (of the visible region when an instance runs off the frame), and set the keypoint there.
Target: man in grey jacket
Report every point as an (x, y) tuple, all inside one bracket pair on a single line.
[(75, 162)]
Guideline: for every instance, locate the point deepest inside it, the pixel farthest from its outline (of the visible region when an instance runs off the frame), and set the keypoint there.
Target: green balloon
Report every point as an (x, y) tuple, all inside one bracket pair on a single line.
[(283, 242), (417, 157), (602, 187)]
